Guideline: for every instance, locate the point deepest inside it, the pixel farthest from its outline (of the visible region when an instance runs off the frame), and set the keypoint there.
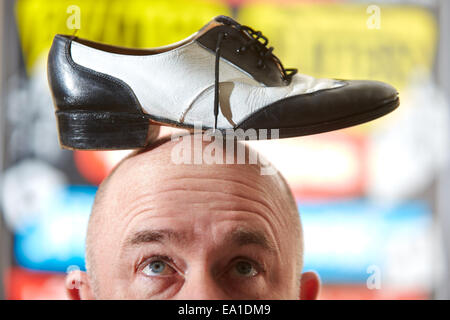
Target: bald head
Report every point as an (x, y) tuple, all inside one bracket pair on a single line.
[(162, 228)]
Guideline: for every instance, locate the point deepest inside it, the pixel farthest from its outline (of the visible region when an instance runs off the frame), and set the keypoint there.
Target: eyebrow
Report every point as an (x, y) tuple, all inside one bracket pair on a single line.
[(243, 237), (238, 237), (160, 235)]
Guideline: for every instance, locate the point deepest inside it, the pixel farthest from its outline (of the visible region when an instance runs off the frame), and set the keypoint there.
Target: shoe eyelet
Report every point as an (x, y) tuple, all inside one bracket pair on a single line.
[(261, 64), (241, 50)]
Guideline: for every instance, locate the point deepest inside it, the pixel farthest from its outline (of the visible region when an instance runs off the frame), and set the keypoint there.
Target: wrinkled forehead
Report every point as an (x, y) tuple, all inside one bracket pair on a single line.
[(199, 202), (145, 180), (151, 182)]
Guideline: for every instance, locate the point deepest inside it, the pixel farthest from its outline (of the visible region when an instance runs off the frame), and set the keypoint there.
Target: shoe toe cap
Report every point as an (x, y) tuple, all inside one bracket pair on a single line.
[(354, 102)]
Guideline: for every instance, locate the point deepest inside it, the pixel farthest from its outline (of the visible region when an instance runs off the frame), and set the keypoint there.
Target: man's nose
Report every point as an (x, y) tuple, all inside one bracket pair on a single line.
[(201, 285)]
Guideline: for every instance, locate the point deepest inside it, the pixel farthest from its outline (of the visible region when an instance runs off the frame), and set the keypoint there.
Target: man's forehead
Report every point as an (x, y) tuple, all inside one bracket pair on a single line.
[(154, 176), (187, 233), (149, 182), (187, 194), (183, 206)]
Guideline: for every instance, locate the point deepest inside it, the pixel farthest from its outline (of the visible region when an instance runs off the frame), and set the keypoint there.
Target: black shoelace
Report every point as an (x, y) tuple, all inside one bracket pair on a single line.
[(260, 47)]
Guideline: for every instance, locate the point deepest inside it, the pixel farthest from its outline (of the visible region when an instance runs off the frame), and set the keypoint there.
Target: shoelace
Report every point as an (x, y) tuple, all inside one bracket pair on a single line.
[(255, 43)]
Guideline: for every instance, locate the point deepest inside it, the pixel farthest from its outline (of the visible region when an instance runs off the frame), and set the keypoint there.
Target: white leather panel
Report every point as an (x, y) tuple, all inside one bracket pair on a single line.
[(247, 98), (179, 84)]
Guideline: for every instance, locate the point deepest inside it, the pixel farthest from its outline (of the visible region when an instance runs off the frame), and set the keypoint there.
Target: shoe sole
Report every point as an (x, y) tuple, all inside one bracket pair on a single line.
[(81, 130)]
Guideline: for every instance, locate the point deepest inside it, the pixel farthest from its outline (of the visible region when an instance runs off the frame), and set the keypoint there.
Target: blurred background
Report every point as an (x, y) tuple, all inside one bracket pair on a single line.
[(374, 199)]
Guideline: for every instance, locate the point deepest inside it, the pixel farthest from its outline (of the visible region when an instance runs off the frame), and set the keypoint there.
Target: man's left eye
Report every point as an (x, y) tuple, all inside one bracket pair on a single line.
[(158, 268), (244, 268)]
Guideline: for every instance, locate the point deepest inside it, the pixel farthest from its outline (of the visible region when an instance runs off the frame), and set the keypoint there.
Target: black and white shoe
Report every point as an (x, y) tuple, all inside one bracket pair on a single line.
[(223, 77)]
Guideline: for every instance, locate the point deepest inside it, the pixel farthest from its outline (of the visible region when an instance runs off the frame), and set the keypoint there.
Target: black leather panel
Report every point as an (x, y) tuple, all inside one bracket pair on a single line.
[(354, 98), (271, 74), (75, 87)]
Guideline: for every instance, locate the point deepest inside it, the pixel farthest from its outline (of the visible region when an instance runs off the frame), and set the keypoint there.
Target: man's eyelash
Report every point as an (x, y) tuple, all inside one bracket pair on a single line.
[(260, 267), (149, 259)]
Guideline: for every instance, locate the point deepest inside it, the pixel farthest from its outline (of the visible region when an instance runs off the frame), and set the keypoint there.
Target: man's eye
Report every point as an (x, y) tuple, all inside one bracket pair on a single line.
[(158, 268), (244, 269)]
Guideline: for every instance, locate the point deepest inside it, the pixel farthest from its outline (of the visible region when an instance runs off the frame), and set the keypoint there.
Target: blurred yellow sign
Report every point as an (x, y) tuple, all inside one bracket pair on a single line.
[(132, 23), (386, 43)]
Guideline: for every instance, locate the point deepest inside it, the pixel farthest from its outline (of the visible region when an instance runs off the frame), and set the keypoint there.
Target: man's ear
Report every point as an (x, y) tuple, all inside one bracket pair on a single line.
[(78, 286), (309, 286)]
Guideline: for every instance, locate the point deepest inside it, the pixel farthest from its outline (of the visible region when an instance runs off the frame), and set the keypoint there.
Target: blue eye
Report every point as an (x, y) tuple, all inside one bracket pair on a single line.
[(244, 269), (157, 268)]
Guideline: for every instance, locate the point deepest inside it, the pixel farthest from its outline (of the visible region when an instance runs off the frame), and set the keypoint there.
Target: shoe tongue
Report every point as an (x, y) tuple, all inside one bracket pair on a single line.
[(215, 22), (226, 20)]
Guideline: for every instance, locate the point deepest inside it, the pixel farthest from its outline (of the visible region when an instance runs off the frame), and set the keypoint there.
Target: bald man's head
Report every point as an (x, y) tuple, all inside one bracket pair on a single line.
[(162, 229)]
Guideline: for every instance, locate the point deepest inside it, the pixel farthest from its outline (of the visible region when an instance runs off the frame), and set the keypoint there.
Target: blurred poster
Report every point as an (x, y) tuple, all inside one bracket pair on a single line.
[(356, 241), (54, 241)]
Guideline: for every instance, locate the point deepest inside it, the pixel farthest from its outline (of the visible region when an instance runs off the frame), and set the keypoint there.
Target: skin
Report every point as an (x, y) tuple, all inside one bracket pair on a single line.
[(164, 231)]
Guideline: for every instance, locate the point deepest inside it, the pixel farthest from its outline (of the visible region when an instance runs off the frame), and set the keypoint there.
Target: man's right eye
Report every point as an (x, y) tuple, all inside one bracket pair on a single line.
[(158, 268)]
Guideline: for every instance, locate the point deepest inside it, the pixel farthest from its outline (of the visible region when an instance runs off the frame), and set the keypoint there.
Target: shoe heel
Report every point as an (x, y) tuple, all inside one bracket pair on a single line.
[(102, 131)]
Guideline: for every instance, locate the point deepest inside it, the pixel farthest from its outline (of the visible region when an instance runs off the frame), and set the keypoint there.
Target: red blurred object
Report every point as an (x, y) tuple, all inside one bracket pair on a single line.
[(22, 284), (328, 166), (95, 166), (360, 292), (347, 175)]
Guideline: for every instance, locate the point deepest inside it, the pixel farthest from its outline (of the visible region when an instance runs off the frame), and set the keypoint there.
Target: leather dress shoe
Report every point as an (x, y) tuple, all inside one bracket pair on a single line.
[(222, 77)]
